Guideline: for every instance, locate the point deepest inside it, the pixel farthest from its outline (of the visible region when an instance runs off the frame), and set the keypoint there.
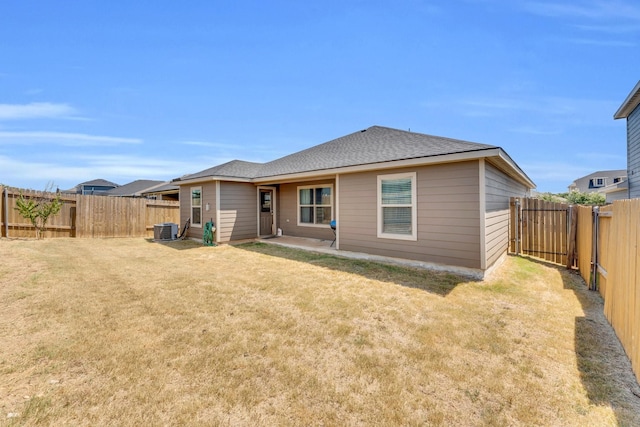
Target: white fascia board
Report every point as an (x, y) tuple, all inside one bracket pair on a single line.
[(629, 104)]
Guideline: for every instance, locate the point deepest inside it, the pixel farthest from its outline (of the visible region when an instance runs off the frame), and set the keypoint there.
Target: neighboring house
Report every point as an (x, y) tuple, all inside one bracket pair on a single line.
[(163, 191), (617, 191), (629, 110), (134, 188), (600, 182), (393, 193), (94, 187)]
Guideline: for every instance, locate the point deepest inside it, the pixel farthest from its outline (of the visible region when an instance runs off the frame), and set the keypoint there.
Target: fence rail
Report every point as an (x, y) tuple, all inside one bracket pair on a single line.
[(89, 216)]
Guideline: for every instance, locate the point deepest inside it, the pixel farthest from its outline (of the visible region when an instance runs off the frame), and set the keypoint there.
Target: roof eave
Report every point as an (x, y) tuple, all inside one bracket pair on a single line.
[(629, 104), (438, 159), (211, 178)]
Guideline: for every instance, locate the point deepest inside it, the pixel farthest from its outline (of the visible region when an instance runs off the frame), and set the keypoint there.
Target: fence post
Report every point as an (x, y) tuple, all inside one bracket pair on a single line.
[(517, 225), (5, 197), (593, 277), (571, 239)]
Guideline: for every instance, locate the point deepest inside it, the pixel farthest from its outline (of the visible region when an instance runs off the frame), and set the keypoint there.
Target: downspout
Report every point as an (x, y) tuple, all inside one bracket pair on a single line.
[(337, 213), (217, 213), (482, 190)]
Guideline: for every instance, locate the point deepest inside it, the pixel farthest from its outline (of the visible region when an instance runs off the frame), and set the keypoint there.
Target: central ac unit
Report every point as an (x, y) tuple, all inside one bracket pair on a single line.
[(165, 231)]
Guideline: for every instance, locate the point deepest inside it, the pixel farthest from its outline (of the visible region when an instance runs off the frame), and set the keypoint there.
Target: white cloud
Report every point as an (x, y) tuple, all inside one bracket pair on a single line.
[(69, 169), (62, 138), (605, 43), (209, 144), (594, 9), (557, 112), (531, 130), (554, 177), (36, 110), (601, 157)]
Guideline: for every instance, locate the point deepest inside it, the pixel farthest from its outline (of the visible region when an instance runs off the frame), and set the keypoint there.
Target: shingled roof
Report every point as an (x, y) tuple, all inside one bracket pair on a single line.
[(373, 145), (133, 188), (232, 169)]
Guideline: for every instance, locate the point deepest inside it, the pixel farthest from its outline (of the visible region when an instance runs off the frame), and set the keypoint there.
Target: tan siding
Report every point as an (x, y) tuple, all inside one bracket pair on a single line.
[(238, 211), (288, 212), (499, 189), (497, 239), (448, 215), (208, 196)]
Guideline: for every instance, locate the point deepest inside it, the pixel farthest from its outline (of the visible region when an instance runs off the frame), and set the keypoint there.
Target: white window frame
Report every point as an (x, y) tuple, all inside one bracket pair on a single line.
[(191, 190), (414, 207), (595, 182), (314, 186)]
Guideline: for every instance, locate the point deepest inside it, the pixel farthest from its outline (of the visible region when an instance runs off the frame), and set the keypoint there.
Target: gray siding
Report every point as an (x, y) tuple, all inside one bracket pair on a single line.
[(499, 188), (633, 153), (208, 196), (287, 211), (617, 195), (448, 215), (238, 212)]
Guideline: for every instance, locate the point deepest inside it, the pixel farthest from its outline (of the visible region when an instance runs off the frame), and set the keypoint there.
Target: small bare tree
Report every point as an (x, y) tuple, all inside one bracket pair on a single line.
[(39, 208)]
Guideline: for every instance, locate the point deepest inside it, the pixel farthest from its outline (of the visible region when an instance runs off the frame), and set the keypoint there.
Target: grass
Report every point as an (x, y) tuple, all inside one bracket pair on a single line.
[(128, 332)]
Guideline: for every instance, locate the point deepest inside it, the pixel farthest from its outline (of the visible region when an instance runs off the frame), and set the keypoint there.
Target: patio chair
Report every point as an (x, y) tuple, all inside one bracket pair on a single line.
[(333, 226)]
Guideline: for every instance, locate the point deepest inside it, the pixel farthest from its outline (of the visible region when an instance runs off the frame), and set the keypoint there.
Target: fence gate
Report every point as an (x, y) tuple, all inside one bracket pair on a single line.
[(543, 230)]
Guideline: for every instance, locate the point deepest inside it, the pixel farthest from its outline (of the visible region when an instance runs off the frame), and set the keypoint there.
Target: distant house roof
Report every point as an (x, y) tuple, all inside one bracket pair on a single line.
[(164, 187), (134, 188), (103, 183), (584, 183), (371, 146), (629, 104)]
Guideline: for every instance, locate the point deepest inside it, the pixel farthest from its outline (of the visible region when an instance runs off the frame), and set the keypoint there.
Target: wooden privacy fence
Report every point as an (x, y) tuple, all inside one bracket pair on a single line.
[(89, 216), (543, 230), (608, 241), (602, 242)]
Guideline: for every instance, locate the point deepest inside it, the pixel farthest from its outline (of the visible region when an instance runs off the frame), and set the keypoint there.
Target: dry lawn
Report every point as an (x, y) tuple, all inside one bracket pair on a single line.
[(130, 332)]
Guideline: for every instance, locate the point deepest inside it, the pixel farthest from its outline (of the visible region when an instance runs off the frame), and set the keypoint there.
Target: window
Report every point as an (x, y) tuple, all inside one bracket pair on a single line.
[(397, 206), (315, 205), (597, 182), (196, 206), (617, 180)]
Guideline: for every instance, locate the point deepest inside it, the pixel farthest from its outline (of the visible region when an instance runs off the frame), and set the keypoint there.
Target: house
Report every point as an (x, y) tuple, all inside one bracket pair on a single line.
[(133, 189), (163, 191), (611, 183), (93, 187), (617, 191), (393, 193), (629, 110)]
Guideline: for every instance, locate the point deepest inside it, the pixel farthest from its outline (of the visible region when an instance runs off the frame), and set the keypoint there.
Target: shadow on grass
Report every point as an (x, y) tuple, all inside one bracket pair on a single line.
[(605, 370), (179, 245), (439, 283)]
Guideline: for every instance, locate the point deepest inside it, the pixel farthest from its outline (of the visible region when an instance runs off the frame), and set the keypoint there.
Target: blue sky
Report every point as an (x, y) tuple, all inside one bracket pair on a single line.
[(154, 90)]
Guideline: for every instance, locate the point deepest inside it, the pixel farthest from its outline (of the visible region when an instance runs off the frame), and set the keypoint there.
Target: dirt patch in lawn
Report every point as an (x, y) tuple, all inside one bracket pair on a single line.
[(127, 332)]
